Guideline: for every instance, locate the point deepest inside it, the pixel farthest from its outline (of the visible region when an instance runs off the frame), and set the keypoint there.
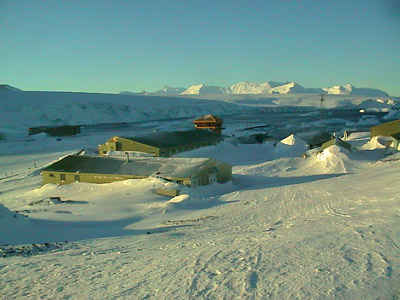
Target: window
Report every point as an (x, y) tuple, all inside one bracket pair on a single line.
[(77, 178), (62, 177)]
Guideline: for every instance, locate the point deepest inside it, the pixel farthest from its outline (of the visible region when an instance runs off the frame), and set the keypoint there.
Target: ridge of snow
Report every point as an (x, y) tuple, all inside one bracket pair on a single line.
[(291, 146), (203, 89), (265, 88), (350, 89), (168, 90), (6, 87), (269, 87), (377, 142)]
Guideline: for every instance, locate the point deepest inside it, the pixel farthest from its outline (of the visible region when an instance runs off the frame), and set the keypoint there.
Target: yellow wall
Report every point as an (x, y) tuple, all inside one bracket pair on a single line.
[(386, 129), (55, 177), (202, 177), (121, 144)]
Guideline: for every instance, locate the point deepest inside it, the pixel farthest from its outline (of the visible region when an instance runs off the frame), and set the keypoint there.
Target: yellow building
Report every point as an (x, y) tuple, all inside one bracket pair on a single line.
[(335, 141), (162, 144), (94, 169), (387, 129)]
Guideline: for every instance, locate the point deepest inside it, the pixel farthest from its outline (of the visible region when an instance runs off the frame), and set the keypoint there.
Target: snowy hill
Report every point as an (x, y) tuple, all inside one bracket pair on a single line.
[(349, 89), (203, 89), (167, 90), (134, 94), (6, 87), (269, 87)]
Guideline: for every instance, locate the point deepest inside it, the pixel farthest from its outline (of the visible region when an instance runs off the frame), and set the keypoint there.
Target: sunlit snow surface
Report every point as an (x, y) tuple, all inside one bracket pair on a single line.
[(286, 227)]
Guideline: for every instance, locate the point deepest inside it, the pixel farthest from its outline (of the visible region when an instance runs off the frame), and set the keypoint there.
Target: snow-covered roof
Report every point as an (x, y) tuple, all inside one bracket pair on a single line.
[(314, 137), (208, 118), (177, 138), (137, 166)]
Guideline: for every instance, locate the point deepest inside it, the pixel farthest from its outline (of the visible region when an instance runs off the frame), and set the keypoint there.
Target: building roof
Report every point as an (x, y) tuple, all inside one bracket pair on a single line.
[(337, 141), (208, 118), (395, 122), (165, 139), (137, 166), (315, 137)]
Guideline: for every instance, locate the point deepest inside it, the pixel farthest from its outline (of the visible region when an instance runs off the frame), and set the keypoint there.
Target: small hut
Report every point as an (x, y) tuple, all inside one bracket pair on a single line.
[(64, 130), (209, 122)]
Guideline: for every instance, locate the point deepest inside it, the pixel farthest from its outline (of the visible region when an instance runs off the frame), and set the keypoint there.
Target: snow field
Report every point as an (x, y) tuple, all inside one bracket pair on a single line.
[(325, 227), (304, 240)]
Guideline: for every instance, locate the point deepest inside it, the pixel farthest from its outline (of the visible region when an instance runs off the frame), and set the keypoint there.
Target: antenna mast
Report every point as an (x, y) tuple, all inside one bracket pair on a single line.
[(322, 101), (323, 112)]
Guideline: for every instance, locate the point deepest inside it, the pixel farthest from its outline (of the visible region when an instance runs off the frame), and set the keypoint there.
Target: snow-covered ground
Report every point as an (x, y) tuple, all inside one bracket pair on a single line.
[(286, 227)]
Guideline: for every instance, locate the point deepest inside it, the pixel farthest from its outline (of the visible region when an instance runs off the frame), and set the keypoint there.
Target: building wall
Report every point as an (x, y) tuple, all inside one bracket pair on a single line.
[(210, 172), (121, 144), (62, 178), (386, 129), (225, 172)]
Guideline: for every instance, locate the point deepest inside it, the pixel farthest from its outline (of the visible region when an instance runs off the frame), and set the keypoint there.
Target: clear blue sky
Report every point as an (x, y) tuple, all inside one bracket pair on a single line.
[(111, 46)]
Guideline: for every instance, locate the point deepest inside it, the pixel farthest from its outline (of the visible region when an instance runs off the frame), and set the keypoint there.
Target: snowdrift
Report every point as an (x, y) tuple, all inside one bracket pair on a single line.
[(378, 142), (335, 159), (291, 146)]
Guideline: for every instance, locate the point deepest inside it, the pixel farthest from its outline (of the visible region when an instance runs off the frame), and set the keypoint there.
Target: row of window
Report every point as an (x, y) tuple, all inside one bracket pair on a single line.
[(62, 177)]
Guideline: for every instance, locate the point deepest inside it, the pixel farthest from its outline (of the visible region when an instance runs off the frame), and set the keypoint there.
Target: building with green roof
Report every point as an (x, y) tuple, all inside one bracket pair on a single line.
[(315, 139), (162, 144), (95, 169), (336, 141)]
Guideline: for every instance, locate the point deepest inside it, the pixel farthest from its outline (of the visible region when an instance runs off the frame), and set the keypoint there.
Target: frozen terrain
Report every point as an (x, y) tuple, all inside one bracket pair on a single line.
[(286, 227), (20, 110)]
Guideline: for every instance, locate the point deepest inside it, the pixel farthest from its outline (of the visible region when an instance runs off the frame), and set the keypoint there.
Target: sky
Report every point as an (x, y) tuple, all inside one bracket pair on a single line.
[(113, 46)]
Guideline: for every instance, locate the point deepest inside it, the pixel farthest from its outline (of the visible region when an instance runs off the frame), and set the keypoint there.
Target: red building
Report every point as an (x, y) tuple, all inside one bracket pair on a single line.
[(209, 122)]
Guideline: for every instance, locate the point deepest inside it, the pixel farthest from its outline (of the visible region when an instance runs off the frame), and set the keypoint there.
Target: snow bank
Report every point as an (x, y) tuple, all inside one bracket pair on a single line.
[(231, 154), (335, 159), (361, 135), (291, 146), (378, 142), (6, 215), (12, 225)]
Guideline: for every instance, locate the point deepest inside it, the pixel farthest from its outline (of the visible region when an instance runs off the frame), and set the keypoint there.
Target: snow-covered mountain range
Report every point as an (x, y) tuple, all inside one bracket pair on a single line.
[(250, 88), (269, 87)]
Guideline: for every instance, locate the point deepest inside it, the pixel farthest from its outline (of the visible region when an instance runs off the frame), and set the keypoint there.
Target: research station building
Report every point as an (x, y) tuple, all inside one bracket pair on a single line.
[(162, 144), (387, 129), (94, 169)]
